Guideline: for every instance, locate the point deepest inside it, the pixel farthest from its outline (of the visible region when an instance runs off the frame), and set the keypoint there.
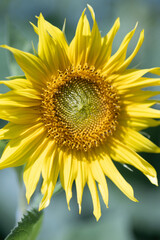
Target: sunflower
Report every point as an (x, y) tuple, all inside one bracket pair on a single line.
[(76, 111)]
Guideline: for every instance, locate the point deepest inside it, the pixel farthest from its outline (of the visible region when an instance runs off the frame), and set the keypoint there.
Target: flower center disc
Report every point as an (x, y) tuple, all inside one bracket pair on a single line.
[(80, 108)]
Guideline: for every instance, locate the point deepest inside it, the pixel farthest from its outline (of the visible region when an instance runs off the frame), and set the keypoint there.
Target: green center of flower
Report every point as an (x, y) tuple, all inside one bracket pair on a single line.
[(78, 103), (80, 108)]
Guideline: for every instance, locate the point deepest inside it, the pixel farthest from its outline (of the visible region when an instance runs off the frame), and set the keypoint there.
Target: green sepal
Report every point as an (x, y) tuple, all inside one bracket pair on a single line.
[(15, 77)]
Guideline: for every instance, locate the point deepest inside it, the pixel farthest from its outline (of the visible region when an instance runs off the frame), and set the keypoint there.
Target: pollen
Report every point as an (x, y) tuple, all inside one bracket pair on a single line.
[(80, 108)]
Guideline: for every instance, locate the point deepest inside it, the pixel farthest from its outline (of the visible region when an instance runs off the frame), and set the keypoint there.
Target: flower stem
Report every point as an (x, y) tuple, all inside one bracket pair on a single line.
[(22, 203)]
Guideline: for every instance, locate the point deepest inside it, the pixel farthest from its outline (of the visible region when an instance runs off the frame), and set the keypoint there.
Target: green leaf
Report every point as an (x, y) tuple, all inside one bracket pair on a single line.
[(28, 228)]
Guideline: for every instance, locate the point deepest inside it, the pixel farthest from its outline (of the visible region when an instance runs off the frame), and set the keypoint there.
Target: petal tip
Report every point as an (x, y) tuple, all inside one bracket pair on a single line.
[(97, 216), (89, 6), (118, 21), (43, 204), (40, 208), (79, 205), (28, 197), (3, 46), (69, 207), (153, 180), (91, 11), (135, 200), (136, 25)]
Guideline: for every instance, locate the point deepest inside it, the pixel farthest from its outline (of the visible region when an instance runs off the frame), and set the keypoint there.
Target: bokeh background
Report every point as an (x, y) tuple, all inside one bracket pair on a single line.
[(124, 220)]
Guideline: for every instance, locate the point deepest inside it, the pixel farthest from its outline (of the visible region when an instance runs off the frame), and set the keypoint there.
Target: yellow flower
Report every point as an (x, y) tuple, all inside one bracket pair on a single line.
[(77, 109)]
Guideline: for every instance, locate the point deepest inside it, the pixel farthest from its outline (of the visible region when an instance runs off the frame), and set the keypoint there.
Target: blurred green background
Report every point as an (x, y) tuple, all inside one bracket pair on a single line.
[(124, 220)]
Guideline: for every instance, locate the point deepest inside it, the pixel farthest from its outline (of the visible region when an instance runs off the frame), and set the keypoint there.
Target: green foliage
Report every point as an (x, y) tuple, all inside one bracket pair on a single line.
[(28, 228)]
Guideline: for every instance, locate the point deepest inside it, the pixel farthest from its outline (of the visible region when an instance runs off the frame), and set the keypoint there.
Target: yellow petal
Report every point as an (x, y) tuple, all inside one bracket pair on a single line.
[(20, 98), (130, 76), (12, 130), (48, 162), (138, 96), (48, 192), (55, 33), (16, 84), (117, 59), (34, 166), (111, 172), (98, 175), (81, 177), (140, 123), (46, 46), (60, 40), (33, 67), (124, 154), (20, 115), (141, 111), (153, 180), (50, 173), (94, 194), (65, 168), (72, 177), (94, 47), (18, 150), (132, 79), (138, 142), (79, 44), (126, 63), (106, 45), (68, 172), (50, 50)]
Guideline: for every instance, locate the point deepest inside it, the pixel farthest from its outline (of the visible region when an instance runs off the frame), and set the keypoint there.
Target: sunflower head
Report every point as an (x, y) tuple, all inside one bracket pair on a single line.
[(78, 109)]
